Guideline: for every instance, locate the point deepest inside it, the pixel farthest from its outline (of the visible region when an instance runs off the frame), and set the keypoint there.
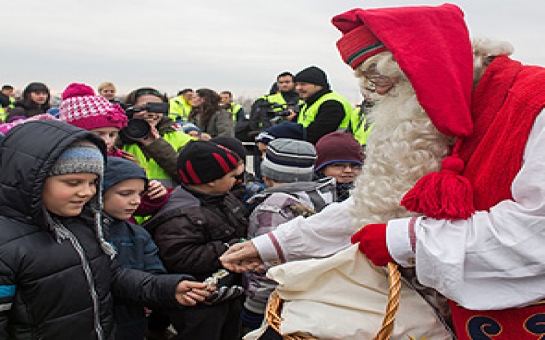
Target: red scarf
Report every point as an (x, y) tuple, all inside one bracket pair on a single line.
[(506, 103)]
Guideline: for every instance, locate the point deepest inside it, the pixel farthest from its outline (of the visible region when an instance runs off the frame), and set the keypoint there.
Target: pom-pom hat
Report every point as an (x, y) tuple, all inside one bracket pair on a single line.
[(82, 108)]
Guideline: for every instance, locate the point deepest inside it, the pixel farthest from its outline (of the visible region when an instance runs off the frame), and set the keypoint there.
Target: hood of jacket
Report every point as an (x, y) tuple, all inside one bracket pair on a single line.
[(317, 194), (27, 154)]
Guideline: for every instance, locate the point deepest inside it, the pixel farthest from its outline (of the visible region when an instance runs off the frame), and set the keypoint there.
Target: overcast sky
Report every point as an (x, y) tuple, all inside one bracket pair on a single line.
[(237, 45)]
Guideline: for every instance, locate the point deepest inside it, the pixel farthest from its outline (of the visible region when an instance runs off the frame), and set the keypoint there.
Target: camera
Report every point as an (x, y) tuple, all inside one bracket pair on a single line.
[(161, 107), (278, 111), (139, 128), (136, 129)]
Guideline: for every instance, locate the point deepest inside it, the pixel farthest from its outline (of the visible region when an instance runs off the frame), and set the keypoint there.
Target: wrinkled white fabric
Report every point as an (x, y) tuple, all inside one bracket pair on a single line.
[(495, 259)]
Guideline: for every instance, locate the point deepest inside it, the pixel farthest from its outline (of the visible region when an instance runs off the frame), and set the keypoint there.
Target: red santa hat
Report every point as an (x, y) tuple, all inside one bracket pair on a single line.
[(431, 44)]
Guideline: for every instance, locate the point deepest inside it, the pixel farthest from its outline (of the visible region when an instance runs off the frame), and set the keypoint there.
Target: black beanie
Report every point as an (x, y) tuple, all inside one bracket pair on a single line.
[(203, 162), (232, 144), (312, 75)]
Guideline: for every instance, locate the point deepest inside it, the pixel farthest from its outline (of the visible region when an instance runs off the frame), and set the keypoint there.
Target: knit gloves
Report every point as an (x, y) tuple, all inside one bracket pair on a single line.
[(224, 293), (372, 243)]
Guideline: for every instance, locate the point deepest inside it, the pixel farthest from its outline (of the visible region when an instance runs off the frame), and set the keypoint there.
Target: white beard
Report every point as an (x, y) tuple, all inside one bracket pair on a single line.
[(404, 146)]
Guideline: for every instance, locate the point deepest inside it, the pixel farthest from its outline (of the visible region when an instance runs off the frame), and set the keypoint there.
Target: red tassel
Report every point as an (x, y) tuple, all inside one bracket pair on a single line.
[(442, 195)]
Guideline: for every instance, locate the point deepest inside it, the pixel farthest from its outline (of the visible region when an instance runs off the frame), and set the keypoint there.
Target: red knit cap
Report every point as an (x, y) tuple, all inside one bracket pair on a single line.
[(358, 43), (82, 108), (431, 44), (338, 147)]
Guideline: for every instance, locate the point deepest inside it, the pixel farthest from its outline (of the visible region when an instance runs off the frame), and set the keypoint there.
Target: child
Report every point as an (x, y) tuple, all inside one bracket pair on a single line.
[(340, 156), (247, 184), (288, 129), (57, 276), (82, 108), (124, 182), (194, 228), (287, 171)]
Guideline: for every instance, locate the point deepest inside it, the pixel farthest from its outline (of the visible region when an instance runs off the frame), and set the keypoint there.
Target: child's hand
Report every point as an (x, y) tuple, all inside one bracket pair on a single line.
[(155, 190), (189, 293)]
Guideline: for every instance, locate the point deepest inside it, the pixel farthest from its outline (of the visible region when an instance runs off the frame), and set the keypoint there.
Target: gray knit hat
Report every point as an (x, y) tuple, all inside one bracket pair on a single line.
[(289, 160), (79, 158), (85, 157)]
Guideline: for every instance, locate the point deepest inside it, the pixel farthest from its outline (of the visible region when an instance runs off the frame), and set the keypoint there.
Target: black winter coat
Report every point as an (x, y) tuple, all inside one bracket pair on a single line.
[(192, 230), (55, 280)]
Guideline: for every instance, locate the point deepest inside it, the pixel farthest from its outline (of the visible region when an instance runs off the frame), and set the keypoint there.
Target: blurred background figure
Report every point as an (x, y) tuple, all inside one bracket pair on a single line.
[(235, 109), (180, 106), (35, 100), (209, 116), (109, 91)]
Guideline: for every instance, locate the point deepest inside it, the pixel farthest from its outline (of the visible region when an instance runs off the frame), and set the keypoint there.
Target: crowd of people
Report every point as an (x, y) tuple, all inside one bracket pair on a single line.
[(138, 217), (162, 185)]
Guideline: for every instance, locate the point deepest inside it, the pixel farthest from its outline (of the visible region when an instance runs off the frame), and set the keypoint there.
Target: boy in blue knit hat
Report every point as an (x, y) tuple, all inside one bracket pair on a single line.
[(124, 182)]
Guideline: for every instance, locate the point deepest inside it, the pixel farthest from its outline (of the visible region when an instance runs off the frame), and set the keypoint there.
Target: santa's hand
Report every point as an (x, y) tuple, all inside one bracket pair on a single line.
[(372, 243), (241, 257)]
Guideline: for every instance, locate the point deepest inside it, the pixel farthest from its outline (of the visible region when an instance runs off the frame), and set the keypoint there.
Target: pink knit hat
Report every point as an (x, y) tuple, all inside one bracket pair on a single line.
[(82, 108)]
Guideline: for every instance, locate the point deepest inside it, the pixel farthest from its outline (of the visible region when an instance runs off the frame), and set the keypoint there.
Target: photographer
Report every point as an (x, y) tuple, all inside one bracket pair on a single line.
[(156, 145), (266, 107)]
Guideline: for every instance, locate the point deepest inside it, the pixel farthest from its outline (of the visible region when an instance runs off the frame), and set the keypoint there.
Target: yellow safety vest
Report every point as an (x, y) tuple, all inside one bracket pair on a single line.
[(359, 127), (179, 108), (308, 113), (175, 138), (3, 112), (234, 110)]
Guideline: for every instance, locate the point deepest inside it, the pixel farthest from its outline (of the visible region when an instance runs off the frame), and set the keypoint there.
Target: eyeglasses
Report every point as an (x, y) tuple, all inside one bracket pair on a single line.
[(377, 79), (148, 91), (342, 166)]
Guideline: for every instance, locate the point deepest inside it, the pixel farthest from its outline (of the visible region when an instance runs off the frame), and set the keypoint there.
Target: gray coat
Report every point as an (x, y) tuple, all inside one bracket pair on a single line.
[(221, 124)]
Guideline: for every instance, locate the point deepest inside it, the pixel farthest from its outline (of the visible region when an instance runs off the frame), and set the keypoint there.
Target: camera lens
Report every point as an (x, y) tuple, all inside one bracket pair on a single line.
[(136, 129)]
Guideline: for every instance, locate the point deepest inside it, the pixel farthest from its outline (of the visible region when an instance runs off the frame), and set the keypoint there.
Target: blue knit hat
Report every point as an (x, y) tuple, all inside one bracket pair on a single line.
[(289, 130), (188, 127), (120, 169)]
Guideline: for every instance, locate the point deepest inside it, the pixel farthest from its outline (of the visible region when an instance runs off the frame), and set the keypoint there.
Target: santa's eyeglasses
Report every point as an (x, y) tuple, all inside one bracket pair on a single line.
[(377, 79)]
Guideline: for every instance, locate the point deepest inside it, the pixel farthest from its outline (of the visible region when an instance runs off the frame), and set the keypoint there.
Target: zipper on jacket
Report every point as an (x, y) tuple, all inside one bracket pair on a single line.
[(89, 276)]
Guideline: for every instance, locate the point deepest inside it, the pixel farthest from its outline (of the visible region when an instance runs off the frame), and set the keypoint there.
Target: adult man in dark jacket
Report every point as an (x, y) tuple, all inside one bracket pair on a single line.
[(324, 111), (57, 277), (265, 107)]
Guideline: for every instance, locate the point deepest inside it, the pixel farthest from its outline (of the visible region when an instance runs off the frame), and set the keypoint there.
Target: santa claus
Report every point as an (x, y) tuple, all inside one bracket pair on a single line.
[(453, 185)]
